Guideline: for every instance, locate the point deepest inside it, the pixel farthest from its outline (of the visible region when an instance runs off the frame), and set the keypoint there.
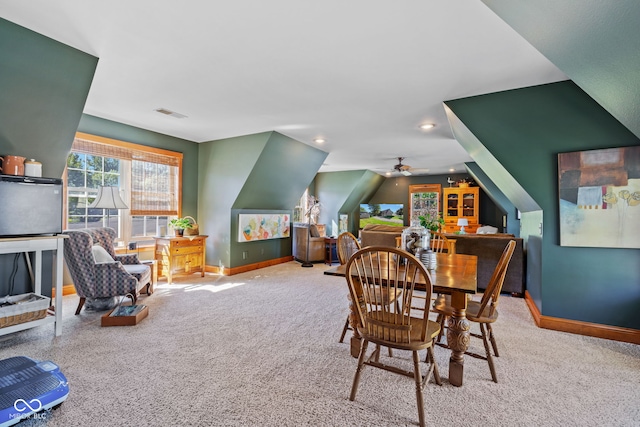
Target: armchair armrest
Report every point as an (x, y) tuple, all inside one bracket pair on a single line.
[(128, 258)]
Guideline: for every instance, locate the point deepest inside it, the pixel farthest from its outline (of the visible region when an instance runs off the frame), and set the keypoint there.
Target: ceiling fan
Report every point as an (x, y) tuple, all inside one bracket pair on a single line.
[(403, 169)]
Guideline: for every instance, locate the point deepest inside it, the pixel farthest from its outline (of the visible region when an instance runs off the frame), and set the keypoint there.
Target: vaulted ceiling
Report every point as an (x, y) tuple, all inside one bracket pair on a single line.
[(362, 75)]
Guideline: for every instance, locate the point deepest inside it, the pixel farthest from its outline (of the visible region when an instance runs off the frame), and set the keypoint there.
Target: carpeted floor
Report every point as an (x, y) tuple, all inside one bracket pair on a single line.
[(261, 349)]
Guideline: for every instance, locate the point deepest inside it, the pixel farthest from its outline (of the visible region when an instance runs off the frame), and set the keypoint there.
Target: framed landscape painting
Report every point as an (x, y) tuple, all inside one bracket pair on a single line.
[(263, 226), (599, 193)]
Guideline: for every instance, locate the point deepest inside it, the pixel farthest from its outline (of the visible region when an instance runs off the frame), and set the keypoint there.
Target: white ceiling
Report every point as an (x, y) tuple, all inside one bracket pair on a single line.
[(363, 74)]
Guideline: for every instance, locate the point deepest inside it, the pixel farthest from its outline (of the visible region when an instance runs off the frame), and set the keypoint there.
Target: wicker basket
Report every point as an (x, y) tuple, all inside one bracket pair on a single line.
[(194, 230), (23, 308)]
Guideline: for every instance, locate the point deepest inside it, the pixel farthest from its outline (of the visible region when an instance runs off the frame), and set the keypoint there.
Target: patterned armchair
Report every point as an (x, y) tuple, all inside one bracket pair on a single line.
[(97, 271)]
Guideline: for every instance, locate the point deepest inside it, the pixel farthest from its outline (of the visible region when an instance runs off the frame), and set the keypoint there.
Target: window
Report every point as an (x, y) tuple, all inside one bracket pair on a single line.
[(149, 181)]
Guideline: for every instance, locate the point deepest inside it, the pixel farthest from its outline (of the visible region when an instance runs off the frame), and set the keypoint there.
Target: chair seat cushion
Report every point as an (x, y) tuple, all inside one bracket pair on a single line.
[(442, 305), (100, 254), (141, 272)]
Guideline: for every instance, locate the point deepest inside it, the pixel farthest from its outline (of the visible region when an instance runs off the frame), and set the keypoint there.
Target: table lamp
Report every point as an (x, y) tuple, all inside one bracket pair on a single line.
[(108, 198), (462, 222)]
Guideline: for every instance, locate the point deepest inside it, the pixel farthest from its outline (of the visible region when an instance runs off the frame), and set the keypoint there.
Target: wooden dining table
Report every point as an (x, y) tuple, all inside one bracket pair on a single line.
[(455, 275)]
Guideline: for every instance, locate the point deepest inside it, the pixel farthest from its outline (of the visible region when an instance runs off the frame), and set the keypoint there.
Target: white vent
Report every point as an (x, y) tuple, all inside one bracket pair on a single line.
[(170, 113)]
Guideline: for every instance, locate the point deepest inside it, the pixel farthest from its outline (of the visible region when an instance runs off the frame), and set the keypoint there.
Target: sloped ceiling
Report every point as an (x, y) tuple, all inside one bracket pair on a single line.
[(596, 43)]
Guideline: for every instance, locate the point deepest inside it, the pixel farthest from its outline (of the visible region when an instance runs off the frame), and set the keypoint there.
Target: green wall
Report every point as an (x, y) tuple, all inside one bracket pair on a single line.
[(342, 193), (266, 172), (493, 213), (525, 129), (396, 190), (43, 88)]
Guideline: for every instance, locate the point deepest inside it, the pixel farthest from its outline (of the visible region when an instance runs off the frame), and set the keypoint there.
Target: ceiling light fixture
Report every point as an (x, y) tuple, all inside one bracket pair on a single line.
[(318, 140), (427, 126), (167, 112)]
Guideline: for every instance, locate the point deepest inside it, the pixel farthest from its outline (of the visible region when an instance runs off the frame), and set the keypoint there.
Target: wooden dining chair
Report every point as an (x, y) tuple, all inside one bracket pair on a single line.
[(347, 246), (384, 280), (441, 244), (483, 312)]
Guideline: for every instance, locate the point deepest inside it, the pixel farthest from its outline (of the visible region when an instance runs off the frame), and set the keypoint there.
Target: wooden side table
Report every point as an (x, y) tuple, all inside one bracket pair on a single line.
[(180, 255), (330, 248)]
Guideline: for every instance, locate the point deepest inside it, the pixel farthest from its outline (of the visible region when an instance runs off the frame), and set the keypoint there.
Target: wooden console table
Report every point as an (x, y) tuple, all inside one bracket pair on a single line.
[(180, 255), (38, 245)]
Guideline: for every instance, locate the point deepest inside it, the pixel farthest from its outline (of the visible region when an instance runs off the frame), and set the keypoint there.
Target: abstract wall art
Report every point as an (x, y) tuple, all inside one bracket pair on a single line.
[(599, 193), (263, 226)]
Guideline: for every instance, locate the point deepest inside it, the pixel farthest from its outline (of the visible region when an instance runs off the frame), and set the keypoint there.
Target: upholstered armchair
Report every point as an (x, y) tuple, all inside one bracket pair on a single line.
[(315, 235), (97, 271)]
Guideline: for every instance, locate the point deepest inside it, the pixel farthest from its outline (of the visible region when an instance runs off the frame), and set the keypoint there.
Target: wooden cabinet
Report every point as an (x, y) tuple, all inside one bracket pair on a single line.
[(180, 255), (461, 203)]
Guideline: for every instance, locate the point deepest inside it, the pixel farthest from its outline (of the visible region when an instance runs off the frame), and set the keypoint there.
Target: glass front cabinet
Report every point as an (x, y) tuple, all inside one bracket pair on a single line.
[(461, 203)]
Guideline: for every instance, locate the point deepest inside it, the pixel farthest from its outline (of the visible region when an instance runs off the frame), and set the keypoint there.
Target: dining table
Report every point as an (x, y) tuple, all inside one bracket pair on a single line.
[(455, 275)]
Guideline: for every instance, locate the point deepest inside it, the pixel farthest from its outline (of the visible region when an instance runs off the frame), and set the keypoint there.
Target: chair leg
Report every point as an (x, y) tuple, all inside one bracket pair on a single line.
[(134, 297), (440, 319), (356, 378), (82, 300), (418, 380), (432, 360), (485, 340), (492, 338), (345, 329)]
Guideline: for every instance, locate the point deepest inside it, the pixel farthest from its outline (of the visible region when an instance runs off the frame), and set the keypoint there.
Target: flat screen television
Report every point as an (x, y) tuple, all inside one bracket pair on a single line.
[(382, 213)]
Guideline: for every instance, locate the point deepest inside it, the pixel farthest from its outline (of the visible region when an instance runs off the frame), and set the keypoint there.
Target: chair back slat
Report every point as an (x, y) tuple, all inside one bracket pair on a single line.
[(347, 246), (492, 292), (383, 280)]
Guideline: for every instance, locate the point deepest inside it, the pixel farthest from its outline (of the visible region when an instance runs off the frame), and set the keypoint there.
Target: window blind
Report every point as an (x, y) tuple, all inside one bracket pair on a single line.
[(154, 174)]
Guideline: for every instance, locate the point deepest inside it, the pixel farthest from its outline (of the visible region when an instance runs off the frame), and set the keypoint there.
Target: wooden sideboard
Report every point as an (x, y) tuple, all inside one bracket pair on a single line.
[(180, 255)]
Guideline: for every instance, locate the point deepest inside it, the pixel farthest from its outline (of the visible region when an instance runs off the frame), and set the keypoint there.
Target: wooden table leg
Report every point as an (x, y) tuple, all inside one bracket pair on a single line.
[(458, 337)]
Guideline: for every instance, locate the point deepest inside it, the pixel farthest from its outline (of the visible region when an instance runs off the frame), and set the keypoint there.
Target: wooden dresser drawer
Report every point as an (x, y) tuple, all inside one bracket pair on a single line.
[(187, 243)]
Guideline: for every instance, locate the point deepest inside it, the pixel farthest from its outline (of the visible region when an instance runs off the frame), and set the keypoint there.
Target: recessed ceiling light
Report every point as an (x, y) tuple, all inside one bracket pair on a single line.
[(427, 126), (452, 170), (318, 140)]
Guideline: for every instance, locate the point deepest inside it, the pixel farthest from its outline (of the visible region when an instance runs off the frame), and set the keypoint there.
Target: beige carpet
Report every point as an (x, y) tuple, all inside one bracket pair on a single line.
[(261, 349)]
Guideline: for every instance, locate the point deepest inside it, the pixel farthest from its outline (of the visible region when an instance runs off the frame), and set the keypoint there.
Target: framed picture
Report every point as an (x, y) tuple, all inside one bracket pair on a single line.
[(344, 223), (263, 226), (599, 193)]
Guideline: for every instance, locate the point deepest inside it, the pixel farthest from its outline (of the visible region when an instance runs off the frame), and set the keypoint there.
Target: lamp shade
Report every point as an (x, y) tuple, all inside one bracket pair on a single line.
[(108, 198), (463, 222)]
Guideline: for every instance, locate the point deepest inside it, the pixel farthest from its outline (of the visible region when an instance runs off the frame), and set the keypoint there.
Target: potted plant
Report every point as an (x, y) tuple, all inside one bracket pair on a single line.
[(431, 222), (179, 225)]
